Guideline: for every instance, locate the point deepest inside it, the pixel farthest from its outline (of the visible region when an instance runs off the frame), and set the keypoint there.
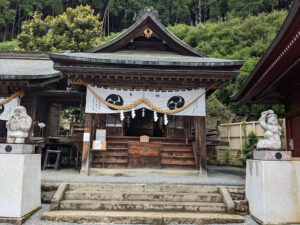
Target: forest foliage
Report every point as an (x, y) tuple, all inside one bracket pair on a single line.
[(120, 14), (76, 29), (238, 38)]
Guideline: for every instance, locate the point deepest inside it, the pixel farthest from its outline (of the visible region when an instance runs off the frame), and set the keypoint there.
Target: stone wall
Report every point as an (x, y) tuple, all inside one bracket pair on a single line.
[(239, 199), (48, 191)]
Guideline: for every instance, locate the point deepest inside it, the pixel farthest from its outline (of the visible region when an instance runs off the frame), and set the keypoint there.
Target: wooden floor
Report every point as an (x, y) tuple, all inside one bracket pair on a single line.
[(174, 153)]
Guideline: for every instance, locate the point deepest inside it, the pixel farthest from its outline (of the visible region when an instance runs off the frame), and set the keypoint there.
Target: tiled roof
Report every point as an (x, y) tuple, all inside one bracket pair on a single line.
[(18, 68), (144, 58)]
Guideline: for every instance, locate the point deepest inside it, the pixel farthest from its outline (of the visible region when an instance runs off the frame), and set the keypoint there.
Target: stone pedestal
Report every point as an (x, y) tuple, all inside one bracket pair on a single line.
[(272, 155), (272, 189), (20, 185), (6, 148)]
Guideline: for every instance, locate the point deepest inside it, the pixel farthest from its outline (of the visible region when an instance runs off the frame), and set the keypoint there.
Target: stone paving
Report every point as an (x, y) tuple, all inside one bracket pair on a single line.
[(35, 219), (216, 176)]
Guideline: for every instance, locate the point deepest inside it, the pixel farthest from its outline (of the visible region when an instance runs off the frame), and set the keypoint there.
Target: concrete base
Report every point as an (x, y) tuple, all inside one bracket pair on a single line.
[(20, 186), (18, 220), (273, 191), (124, 172)]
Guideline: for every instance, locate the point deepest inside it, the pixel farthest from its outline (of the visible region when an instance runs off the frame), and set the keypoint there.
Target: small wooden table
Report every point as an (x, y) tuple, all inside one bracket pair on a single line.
[(144, 155)]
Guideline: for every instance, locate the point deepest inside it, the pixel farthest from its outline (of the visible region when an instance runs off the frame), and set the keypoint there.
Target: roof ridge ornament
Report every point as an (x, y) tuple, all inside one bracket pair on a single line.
[(147, 9)]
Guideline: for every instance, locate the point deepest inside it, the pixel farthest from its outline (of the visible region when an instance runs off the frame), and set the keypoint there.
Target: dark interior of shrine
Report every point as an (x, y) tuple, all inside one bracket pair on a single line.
[(143, 124)]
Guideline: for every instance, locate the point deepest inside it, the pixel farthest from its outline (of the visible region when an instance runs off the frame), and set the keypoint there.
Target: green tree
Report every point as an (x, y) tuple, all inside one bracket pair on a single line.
[(76, 29), (121, 13), (246, 8), (6, 17), (248, 147)]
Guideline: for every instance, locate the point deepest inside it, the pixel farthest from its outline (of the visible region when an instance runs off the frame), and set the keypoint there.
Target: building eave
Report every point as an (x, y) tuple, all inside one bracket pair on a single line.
[(272, 56)]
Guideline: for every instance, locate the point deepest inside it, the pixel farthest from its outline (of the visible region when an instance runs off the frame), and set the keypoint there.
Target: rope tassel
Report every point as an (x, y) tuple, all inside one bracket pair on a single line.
[(133, 113), (122, 115), (155, 116), (165, 119)]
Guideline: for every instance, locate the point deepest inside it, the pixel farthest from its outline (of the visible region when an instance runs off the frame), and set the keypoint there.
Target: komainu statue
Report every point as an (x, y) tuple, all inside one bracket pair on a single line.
[(18, 125), (268, 121)]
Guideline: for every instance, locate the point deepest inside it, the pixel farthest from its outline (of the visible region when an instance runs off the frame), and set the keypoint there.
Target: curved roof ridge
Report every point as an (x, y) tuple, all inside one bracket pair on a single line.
[(173, 37)]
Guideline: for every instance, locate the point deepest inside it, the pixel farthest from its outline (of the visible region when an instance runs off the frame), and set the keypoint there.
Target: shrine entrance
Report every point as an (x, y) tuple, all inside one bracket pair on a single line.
[(144, 124)]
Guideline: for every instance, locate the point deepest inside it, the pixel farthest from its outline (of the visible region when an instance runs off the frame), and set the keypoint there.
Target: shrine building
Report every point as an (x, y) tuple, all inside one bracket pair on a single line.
[(143, 91)]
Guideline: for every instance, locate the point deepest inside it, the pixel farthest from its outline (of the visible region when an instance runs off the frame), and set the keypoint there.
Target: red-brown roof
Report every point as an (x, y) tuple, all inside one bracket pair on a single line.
[(279, 66)]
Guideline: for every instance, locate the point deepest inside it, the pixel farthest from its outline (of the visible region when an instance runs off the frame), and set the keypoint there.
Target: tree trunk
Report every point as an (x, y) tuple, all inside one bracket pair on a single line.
[(13, 25), (19, 21), (5, 33), (199, 12)]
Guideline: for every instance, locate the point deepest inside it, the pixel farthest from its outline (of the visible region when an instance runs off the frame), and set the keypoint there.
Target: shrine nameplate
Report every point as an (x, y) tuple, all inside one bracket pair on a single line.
[(144, 155)]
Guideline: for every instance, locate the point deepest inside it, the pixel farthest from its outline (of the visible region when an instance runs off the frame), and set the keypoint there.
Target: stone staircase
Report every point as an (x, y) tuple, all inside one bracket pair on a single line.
[(141, 204)]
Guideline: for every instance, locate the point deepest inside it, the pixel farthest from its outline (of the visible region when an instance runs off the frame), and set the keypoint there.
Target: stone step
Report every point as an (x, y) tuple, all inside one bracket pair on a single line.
[(146, 196), (117, 217), (180, 188), (155, 206)]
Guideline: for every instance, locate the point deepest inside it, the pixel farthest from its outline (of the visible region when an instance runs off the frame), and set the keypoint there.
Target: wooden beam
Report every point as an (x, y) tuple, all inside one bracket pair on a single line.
[(140, 82), (86, 144), (201, 142)]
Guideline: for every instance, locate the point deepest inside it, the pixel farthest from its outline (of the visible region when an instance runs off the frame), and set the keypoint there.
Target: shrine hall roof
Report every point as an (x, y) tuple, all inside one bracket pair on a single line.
[(148, 18), (158, 58), (27, 66), (147, 43)]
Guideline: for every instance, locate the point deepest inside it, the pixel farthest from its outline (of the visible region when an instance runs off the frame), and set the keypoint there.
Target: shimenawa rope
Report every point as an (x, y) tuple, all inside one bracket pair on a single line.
[(20, 94), (144, 100)]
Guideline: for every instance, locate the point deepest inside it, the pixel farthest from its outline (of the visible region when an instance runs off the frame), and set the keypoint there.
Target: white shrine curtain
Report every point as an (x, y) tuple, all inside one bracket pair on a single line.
[(163, 99)]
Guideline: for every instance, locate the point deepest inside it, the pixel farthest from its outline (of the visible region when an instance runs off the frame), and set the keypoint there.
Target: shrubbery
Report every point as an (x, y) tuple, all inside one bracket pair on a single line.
[(8, 45), (248, 147), (76, 29)]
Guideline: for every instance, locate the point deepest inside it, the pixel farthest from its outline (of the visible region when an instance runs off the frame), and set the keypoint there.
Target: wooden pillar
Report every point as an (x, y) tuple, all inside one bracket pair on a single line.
[(201, 142), (53, 120), (86, 147), (288, 135)]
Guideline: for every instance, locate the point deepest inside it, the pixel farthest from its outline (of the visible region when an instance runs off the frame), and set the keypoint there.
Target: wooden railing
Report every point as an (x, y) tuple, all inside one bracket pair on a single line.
[(76, 129)]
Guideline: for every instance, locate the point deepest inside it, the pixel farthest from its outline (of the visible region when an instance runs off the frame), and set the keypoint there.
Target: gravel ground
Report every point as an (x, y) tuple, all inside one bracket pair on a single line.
[(35, 220), (216, 176)]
